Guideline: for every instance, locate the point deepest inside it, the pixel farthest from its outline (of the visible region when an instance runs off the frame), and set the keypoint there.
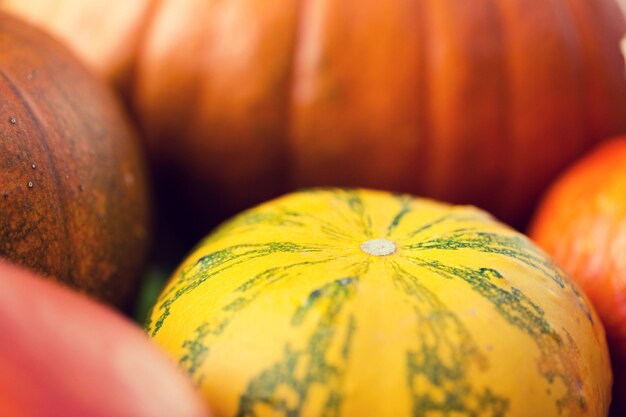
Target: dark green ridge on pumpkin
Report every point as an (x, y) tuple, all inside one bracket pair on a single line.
[(216, 262), (273, 275), (269, 387), (520, 311), (354, 201), (284, 218), (445, 355), (511, 246), (516, 247), (454, 216), (198, 347), (196, 350), (405, 203)]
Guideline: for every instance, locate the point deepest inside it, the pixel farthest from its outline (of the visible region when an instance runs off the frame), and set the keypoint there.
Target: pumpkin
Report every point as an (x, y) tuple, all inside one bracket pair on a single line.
[(352, 302), (73, 189), (581, 222), (468, 102), (62, 354), (482, 102)]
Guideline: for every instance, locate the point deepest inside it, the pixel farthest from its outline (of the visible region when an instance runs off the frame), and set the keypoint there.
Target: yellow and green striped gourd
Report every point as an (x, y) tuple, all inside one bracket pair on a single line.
[(358, 303)]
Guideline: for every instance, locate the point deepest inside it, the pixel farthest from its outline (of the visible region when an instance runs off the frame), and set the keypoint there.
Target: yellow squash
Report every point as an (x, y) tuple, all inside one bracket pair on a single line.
[(357, 303)]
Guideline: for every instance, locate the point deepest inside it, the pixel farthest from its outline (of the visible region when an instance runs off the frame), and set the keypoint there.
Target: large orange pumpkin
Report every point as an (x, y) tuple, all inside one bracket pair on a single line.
[(480, 102), (476, 102), (73, 190), (581, 222)]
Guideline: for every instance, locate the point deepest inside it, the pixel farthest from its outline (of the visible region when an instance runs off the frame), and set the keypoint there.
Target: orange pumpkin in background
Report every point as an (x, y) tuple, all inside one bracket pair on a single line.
[(581, 222), (479, 102), (63, 355), (74, 198)]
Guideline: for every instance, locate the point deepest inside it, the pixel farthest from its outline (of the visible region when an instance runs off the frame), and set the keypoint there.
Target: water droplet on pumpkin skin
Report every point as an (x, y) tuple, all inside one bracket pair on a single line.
[(12, 120), (33, 165), (30, 184)]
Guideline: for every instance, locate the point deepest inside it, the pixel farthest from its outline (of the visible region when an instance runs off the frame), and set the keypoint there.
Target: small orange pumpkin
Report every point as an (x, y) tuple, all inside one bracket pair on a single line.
[(581, 222)]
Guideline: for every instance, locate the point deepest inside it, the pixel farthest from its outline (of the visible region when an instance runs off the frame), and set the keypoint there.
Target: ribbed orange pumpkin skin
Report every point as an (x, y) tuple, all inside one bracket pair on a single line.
[(581, 222), (477, 102)]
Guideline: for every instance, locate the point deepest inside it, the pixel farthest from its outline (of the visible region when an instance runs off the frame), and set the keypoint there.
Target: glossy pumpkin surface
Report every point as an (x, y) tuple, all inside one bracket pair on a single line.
[(73, 193), (480, 102), (581, 222), (353, 303), (63, 355)]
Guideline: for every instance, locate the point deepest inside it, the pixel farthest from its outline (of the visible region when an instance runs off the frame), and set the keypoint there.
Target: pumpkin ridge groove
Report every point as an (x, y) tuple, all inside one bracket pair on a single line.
[(28, 107), (145, 27), (424, 113), (503, 80), (285, 175)]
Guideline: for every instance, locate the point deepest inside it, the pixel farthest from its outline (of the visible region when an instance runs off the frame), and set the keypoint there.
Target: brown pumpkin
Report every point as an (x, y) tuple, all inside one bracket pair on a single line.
[(73, 191), (479, 102)]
